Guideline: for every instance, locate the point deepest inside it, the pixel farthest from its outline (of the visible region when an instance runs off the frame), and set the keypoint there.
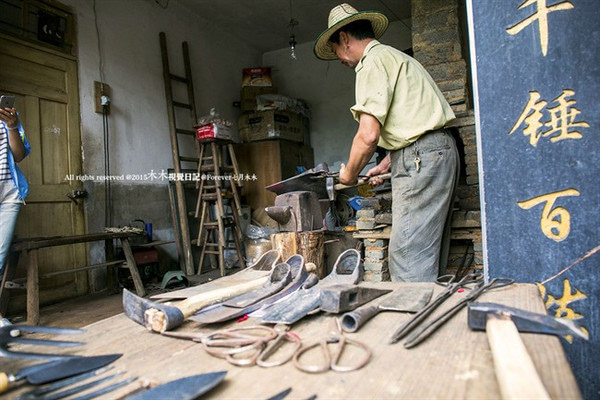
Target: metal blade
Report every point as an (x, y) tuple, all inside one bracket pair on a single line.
[(11, 334), (47, 329), (407, 299), (525, 321), (280, 276), (77, 389), (45, 342), (341, 298), (70, 367), (32, 394), (294, 307), (220, 312), (182, 389), (281, 395), (106, 389), (23, 372)]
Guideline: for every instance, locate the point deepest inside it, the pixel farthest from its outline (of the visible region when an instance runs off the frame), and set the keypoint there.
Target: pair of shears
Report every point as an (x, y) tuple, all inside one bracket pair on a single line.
[(246, 345), (262, 353), (332, 359)]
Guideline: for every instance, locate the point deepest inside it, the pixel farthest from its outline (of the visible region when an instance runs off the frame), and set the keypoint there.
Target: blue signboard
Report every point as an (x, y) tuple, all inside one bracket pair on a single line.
[(536, 77)]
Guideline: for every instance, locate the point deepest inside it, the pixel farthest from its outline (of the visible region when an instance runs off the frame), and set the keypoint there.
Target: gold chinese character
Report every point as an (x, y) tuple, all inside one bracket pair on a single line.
[(555, 222), (541, 15), (531, 116), (562, 309), (561, 123), (562, 118)]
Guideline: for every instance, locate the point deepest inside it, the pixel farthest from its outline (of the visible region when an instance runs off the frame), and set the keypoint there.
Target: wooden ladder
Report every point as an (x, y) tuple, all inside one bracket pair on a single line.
[(177, 197), (218, 205)]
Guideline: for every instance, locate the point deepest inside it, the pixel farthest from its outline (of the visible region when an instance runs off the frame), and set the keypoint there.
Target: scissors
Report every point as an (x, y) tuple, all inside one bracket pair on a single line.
[(452, 286), (246, 345), (332, 361), (261, 351)]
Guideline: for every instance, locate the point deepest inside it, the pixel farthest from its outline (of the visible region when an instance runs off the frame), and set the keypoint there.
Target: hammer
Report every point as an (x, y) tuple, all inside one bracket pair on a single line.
[(516, 374), (159, 317), (361, 181)]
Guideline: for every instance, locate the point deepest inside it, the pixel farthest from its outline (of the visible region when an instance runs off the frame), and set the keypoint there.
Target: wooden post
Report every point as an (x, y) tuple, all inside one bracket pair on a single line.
[(33, 288), (135, 274), (308, 244)]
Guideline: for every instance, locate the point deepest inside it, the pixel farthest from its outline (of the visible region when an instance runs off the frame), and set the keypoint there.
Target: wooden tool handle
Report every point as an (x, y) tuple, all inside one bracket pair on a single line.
[(3, 382), (361, 182), (195, 303), (516, 374)]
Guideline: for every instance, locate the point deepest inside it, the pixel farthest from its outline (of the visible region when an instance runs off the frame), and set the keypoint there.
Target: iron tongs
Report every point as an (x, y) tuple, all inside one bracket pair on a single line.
[(425, 331), (449, 281)]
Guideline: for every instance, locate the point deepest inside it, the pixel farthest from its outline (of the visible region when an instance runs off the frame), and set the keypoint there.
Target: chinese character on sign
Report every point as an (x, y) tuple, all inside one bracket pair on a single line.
[(560, 126), (561, 304), (555, 222), (541, 15)]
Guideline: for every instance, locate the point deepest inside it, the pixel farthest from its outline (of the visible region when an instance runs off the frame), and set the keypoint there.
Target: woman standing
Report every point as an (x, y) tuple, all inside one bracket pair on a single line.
[(13, 186)]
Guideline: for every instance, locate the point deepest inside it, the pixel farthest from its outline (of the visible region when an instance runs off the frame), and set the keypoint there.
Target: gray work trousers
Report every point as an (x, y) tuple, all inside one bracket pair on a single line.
[(422, 200)]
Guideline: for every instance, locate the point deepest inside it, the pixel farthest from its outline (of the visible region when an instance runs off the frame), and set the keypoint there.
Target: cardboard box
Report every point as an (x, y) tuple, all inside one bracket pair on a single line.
[(216, 131), (273, 124), (260, 76), (248, 96)]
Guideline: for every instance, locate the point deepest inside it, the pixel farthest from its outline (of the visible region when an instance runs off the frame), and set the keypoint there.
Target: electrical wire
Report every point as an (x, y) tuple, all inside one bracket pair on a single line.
[(105, 130), (107, 188), (101, 60)]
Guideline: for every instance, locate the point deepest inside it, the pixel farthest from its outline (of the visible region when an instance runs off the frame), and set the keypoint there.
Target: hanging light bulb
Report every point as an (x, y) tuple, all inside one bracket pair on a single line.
[(292, 42)]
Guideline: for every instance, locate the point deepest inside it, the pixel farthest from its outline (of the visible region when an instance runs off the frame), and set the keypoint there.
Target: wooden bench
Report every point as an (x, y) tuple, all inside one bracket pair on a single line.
[(30, 246)]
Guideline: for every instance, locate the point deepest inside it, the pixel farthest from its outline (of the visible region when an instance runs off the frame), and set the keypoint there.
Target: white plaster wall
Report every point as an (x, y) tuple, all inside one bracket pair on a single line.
[(328, 88), (132, 67)]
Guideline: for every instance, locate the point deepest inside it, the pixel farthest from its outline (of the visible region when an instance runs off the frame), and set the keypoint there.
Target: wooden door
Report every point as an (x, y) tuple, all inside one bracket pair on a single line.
[(47, 99)]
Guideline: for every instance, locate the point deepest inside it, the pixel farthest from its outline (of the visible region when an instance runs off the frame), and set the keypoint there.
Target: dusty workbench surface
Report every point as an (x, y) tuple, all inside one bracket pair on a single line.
[(455, 363)]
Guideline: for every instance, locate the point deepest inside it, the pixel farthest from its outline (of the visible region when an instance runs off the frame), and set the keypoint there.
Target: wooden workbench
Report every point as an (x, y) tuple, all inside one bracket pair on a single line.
[(455, 363), (30, 248)]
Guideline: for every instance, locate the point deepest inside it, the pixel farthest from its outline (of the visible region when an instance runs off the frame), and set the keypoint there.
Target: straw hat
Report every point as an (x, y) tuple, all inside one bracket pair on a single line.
[(342, 15)]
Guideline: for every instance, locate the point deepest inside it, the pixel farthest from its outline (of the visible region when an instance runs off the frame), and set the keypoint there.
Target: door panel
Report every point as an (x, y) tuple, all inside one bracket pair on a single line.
[(46, 90)]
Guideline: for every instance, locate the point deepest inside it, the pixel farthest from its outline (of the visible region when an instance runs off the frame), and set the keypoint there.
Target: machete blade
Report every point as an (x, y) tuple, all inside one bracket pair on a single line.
[(182, 389), (70, 367)]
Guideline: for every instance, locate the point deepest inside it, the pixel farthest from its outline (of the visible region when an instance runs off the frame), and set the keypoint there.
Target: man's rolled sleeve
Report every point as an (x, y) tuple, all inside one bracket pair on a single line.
[(373, 93)]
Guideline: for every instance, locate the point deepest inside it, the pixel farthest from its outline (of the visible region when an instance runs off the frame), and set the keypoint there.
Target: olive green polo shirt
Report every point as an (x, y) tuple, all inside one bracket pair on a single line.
[(395, 88)]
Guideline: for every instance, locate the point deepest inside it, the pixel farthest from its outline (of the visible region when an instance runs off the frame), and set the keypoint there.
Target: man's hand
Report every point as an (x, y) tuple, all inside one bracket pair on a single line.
[(382, 168), (344, 177)]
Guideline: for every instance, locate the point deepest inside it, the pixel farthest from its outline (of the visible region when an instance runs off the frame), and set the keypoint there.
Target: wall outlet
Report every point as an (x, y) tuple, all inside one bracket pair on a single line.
[(101, 97)]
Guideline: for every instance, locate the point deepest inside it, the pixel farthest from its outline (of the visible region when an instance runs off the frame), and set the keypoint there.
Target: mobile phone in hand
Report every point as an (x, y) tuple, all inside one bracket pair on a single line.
[(7, 102)]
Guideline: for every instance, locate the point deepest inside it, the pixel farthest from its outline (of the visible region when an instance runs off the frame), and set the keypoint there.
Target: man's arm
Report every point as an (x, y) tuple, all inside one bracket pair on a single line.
[(363, 147)]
